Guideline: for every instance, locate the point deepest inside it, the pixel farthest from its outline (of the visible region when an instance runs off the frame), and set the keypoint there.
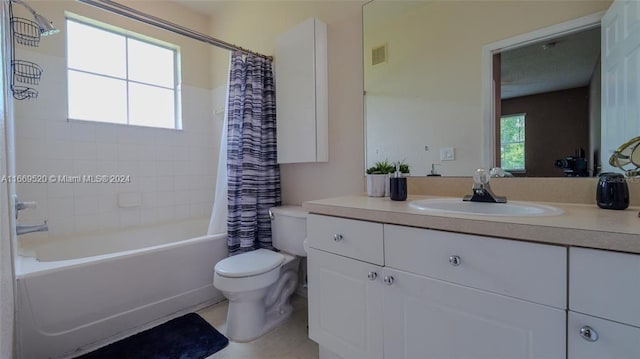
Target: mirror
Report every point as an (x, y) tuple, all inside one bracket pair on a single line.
[(425, 95)]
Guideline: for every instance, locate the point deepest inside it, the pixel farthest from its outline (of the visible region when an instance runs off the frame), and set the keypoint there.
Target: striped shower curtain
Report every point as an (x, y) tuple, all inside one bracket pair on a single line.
[(252, 169)]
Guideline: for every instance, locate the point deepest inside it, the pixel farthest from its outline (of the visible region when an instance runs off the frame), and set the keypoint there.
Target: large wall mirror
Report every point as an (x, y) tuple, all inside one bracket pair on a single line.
[(426, 99)]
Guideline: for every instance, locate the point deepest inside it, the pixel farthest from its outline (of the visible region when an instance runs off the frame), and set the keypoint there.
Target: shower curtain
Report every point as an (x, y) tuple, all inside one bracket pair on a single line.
[(253, 175)]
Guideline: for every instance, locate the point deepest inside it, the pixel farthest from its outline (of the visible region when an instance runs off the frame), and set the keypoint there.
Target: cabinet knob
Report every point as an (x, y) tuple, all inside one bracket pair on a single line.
[(455, 260), (337, 237), (372, 275), (388, 280), (589, 334)]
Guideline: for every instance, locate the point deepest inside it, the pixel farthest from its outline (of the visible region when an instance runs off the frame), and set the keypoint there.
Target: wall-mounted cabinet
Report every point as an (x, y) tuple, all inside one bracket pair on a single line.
[(302, 93)]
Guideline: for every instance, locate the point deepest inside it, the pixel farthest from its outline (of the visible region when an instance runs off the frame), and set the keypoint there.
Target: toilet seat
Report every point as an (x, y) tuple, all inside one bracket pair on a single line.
[(249, 264)]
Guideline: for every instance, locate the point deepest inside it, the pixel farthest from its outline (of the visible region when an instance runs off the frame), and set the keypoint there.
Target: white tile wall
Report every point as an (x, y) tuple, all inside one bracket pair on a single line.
[(174, 171)]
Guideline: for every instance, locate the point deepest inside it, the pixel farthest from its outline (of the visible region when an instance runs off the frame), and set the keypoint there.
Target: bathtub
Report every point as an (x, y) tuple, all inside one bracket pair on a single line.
[(75, 294)]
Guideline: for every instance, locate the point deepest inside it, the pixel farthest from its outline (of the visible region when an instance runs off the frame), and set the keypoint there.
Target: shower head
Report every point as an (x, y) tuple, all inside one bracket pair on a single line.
[(45, 25)]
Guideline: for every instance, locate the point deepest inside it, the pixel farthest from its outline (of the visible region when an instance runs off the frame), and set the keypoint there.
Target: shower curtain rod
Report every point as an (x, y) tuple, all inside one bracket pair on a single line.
[(134, 14)]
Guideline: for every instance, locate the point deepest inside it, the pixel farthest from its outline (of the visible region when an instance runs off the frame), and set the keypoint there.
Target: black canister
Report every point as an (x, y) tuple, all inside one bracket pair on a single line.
[(612, 192), (398, 188)]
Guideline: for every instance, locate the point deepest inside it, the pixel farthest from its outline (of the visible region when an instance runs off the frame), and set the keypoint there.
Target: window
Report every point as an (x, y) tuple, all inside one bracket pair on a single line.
[(512, 142), (117, 77)]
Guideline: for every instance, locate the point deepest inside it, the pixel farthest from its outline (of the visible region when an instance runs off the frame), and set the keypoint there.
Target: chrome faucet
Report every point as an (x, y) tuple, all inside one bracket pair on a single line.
[(24, 229), (482, 190)]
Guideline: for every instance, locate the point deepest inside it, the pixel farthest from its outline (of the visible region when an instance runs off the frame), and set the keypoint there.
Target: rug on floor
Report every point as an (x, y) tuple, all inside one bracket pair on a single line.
[(186, 337)]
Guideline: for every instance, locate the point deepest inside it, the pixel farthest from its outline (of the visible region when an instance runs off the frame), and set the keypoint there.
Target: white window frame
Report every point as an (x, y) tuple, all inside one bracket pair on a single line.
[(138, 37)]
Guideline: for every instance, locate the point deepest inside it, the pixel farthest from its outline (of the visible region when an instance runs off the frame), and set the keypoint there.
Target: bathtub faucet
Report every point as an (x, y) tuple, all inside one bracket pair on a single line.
[(24, 229)]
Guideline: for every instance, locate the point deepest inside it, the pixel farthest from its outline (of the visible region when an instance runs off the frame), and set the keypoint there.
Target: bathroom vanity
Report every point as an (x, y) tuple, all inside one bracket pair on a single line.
[(387, 280)]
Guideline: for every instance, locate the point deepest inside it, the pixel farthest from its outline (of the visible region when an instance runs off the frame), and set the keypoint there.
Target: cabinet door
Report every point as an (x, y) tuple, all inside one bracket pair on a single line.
[(302, 93), (605, 339), (429, 318), (345, 305)]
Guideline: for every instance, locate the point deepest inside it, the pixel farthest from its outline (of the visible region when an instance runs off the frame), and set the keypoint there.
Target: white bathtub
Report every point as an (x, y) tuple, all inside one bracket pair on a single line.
[(77, 293)]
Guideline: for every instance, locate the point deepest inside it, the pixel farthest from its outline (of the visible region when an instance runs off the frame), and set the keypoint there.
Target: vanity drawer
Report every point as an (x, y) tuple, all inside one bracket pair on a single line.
[(605, 284), (529, 271), (346, 237)]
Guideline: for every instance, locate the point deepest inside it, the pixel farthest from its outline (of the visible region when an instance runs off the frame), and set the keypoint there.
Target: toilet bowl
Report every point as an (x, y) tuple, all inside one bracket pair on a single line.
[(258, 284)]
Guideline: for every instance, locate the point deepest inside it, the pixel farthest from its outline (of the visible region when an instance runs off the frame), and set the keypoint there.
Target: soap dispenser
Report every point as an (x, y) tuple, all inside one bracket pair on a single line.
[(398, 185)]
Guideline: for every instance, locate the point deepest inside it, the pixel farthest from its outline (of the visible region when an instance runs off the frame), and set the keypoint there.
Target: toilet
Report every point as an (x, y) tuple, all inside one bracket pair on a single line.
[(258, 284)]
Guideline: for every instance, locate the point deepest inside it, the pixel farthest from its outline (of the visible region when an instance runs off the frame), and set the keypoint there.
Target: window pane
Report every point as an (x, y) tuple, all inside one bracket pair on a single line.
[(97, 98), (150, 64), (95, 50), (512, 156), (512, 142), (151, 106)]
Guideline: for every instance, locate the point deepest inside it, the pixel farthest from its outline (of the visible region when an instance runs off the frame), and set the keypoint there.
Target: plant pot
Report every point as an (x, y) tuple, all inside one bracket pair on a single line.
[(377, 185)]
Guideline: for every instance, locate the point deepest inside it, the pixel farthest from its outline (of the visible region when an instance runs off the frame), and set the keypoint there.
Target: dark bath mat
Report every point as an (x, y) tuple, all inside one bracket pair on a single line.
[(186, 337)]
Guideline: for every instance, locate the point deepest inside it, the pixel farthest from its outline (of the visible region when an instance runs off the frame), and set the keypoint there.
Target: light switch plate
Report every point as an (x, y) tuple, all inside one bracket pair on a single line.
[(447, 154)]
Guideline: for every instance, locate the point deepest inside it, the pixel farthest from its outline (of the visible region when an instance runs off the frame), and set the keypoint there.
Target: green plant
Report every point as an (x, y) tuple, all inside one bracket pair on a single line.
[(384, 167), (381, 168)]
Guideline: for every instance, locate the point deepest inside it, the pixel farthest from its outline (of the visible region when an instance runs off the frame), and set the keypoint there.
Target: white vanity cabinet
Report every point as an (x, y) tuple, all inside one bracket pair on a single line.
[(604, 304), (430, 296), (430, 318), (345, 299)]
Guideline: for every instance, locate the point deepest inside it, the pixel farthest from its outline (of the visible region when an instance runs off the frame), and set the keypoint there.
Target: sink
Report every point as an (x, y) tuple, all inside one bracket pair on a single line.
[(509, 209)]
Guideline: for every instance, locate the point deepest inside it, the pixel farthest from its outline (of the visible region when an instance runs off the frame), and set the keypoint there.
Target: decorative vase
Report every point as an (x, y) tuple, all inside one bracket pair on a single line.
[(377, 185)]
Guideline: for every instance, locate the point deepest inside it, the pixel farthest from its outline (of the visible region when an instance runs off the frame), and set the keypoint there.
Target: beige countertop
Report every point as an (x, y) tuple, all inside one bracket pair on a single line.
[(580, 225)]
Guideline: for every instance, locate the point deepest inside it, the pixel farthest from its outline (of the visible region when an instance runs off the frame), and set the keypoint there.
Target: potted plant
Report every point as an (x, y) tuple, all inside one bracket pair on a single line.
[(404, 169), (378, 179)]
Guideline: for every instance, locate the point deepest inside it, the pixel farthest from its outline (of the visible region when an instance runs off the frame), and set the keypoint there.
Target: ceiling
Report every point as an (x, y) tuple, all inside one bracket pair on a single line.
[(558, 64)]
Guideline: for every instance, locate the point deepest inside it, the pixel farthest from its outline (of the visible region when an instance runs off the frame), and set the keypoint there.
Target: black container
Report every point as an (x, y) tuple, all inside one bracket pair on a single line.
[(612, 191), (398, 188)]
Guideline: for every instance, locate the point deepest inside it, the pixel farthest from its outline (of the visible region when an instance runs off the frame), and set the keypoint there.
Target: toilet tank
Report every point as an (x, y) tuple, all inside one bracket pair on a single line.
[(289, 229)]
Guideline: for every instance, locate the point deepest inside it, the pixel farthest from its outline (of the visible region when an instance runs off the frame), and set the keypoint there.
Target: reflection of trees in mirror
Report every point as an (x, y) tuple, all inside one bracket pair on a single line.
[(512, 142)]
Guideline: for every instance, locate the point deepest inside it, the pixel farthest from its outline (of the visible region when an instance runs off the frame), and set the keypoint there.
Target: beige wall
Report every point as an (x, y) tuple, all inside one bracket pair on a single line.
[(255, 25), (430, 91)]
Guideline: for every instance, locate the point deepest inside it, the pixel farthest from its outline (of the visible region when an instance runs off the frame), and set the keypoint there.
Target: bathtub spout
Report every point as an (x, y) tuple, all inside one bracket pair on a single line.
[(24, 229)]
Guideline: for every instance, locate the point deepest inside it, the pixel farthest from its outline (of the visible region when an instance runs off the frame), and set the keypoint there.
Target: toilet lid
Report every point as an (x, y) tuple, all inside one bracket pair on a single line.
[(249, 263)]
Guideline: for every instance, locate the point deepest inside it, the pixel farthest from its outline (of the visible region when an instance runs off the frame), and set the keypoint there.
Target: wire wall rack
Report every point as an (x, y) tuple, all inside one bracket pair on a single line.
[(24, 74), (25, 32)]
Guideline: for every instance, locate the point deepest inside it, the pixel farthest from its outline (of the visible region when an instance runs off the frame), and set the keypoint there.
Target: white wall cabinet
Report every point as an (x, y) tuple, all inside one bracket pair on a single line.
[(365, 310), (302, 93)]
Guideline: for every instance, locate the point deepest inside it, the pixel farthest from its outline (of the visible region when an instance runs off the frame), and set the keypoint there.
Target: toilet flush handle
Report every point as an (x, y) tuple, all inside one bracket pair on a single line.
[(271, 215)]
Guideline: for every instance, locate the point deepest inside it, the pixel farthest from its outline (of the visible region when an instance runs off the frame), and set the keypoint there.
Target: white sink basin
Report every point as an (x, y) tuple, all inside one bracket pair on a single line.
[(511, 208)]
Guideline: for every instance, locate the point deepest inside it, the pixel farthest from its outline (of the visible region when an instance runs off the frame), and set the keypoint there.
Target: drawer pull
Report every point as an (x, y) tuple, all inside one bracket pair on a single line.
[(455, 261), (388, 280), (337, 237), (372, 275), (589, 334)]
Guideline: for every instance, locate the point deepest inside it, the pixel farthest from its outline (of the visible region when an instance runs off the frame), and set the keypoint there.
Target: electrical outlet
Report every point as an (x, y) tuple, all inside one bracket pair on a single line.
[(447, 154)]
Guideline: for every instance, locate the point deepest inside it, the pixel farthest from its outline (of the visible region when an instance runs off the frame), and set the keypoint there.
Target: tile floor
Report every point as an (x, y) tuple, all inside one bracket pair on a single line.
[(289, 340)]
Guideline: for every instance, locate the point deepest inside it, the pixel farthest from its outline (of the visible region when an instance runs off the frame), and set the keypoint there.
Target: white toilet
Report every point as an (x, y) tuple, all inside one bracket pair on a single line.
[(258, 284)]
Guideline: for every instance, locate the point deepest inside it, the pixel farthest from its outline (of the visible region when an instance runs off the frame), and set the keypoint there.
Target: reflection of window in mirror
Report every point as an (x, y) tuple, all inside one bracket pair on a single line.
[(556, 83), (512, 142)]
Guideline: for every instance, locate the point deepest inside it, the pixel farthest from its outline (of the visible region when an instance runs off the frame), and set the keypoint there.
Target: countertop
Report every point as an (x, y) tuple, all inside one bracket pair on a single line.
[(580, 225)]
